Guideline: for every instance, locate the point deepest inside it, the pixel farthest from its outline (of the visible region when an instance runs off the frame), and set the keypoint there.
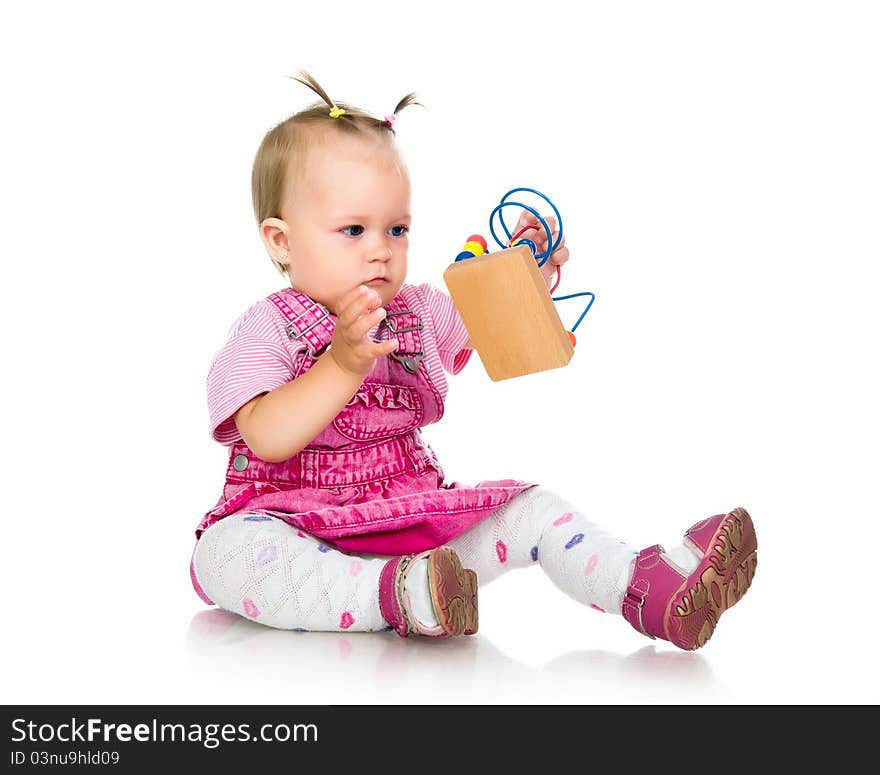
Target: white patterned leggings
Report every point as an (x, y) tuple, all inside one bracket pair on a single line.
[(266, 570)]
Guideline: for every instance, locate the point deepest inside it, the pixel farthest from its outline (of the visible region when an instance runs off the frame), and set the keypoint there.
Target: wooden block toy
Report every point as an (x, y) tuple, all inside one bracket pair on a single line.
[(508, 312)]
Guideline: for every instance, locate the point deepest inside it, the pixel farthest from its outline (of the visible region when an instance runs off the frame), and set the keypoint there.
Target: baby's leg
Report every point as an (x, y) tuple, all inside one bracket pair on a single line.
[(266, 570), (539, 527), (677, 595)]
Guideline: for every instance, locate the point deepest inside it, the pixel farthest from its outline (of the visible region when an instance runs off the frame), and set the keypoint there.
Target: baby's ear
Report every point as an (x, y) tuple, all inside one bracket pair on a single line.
[(276, 235)]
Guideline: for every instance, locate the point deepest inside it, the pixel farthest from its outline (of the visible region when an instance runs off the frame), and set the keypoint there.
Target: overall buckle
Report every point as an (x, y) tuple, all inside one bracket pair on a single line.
[(410, 361), (293, 330), (401, 329)]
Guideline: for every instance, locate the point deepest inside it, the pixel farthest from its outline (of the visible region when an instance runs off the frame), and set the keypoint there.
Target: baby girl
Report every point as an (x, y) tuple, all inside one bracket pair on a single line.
[(335, 513)]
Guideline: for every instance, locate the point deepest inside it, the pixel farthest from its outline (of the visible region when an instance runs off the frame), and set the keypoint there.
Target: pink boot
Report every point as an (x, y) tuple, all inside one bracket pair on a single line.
[(453, 595), (663, 602)]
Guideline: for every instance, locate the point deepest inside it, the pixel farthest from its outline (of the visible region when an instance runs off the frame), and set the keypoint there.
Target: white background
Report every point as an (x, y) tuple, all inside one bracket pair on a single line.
[(716, 166)]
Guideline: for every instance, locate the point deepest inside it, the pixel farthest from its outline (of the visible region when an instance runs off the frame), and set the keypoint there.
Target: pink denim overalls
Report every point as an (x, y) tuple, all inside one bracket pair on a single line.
[(368, 483)]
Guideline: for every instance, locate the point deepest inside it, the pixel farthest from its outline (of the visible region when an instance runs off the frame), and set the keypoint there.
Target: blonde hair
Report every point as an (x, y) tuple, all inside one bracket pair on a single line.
[(291, 139)]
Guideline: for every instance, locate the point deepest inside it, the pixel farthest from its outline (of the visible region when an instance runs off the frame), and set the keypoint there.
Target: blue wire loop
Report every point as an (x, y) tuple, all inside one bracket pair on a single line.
[(586, 309), (541, 258)]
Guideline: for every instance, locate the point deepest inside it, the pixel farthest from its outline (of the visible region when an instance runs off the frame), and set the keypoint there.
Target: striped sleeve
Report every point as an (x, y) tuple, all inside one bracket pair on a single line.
[(253, 361), (453, 341)]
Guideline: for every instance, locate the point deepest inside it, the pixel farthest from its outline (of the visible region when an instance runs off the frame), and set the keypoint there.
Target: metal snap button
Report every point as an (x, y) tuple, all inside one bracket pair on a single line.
[(240, 462)]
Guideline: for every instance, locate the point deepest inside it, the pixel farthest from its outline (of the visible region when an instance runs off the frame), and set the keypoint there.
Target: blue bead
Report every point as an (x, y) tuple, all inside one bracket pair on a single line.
[(463, 255), (534, 554)]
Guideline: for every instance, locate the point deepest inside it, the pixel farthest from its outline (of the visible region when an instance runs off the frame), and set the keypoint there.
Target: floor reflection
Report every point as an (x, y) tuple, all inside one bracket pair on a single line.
[(237, 660)]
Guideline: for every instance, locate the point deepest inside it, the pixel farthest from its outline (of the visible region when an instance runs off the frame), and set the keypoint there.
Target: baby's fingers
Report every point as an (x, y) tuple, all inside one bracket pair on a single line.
[(378, 349), (348, 307), (541, 235), (359, 302), (359, 328), (386, 347)]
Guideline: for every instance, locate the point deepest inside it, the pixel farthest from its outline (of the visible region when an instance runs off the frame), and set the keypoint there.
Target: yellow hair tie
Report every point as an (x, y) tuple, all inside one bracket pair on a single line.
[(336, 112)]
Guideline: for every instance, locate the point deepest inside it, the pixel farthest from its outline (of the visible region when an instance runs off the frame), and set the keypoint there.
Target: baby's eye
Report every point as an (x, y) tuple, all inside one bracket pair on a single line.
[(396, 231)]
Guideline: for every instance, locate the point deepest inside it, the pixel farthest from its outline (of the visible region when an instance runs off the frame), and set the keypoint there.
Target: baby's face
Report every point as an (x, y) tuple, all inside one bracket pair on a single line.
[(349, 221)]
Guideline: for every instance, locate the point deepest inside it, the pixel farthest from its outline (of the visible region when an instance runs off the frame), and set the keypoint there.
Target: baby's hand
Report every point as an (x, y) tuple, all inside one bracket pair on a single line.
[(358, 311), (539, 236)]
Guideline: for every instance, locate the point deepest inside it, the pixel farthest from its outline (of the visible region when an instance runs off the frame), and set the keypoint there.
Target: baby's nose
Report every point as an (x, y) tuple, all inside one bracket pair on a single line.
[(381, 252)]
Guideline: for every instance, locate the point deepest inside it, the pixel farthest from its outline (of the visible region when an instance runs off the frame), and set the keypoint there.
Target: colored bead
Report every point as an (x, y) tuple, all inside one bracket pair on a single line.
[(572, 338), (479, 240), (474, 247), (464, 255)]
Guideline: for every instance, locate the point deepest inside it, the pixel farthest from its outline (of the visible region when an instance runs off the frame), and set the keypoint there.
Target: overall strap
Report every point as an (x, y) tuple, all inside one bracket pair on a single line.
[(306, 319), (406, 326), (310, 320)]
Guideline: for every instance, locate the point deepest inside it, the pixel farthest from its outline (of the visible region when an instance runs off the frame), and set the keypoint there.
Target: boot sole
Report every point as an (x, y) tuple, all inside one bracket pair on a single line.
[(454, 592), (718, 583)]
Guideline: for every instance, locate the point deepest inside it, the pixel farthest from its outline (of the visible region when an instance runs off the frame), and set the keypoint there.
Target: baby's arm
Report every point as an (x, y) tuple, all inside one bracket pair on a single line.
[(453, 343), (279, 424)]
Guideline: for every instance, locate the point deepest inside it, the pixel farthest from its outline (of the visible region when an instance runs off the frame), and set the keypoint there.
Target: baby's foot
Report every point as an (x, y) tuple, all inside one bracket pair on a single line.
[(665, 601), (429, 594)]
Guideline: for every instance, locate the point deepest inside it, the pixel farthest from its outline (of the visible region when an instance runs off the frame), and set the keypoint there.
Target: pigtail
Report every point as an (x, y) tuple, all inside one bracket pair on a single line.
[(355, 118), (410, 99), (308, 80)]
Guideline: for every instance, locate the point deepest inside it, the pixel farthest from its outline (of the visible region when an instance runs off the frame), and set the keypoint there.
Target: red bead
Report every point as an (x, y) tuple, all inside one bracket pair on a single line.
[(572, 338), (479, 239)]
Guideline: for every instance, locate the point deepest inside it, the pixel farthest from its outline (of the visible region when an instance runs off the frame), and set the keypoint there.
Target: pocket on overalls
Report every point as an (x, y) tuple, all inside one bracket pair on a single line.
[(378, 411)]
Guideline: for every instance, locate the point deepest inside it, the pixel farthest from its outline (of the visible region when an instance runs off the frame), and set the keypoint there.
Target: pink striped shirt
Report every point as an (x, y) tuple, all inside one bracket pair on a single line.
[(259, 356)]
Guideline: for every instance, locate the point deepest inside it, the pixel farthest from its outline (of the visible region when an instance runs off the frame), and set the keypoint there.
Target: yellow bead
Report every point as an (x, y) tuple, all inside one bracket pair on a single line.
[(474, 247)]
